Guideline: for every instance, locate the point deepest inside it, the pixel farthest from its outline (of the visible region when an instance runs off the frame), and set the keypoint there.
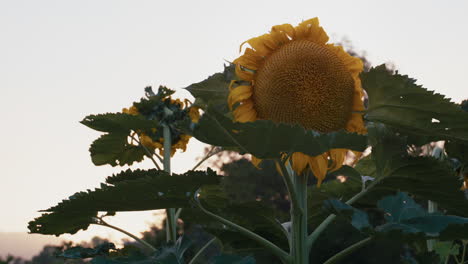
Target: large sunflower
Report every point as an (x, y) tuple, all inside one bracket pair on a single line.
[(292, 75)]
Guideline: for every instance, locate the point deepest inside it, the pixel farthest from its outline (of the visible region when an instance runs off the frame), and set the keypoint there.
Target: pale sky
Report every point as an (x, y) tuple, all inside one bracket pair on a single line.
[(62, 60)]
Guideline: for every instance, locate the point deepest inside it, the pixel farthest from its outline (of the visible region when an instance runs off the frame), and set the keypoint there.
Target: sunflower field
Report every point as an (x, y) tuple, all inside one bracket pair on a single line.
[(369, 160)]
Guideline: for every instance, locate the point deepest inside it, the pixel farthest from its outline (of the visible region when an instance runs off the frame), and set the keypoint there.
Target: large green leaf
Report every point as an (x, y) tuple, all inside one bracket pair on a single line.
[(266, 139), (398, 101), (403, 214), (118, 122), (215, 89), (148, 190), (114, 149)]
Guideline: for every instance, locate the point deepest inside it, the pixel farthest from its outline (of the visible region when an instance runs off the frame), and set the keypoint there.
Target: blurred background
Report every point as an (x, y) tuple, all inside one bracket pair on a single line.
[(63, 60)]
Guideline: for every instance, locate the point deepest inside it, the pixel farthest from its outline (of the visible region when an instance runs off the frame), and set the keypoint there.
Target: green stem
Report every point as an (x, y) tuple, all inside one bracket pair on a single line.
[(139, 240), (347, 251), (213, 151), (299, 250), (171, 221), (244, 231), (201, 250)]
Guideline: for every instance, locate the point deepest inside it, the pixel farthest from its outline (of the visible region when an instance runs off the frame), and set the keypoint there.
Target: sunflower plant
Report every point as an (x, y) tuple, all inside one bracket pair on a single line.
[(295, 100)]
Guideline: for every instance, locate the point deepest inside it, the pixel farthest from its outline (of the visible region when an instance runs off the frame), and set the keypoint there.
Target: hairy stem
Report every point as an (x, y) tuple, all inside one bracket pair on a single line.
[(244, 231), (139, 240), (201, 250)]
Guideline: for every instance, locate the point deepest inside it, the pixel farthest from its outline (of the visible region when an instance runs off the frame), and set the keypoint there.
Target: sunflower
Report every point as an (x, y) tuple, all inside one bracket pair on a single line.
[(292, 75), (153, 139)]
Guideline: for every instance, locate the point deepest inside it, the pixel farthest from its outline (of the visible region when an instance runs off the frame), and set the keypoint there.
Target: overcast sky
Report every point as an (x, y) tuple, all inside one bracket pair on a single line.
[(62, 60)]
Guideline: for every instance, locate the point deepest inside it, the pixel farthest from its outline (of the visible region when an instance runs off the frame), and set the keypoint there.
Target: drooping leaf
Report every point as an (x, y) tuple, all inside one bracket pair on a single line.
[(114, 149), (265, 139), (232, 259), (332, 189), (403, 214), (156, 190), (118, 122), (82, 252), (357, 218), (215, 89), (396, 100)]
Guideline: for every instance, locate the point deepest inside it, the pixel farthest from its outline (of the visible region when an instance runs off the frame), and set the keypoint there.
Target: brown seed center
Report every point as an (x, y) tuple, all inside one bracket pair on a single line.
[(304, 83)]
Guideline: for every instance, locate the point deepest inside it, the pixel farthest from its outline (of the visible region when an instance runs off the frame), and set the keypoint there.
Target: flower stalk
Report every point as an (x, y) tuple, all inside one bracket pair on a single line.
[(171, 221), (299, 232)]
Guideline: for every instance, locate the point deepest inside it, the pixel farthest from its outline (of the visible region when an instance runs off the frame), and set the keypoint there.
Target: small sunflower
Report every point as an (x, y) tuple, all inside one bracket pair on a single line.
[(292, 75), (153, 139)]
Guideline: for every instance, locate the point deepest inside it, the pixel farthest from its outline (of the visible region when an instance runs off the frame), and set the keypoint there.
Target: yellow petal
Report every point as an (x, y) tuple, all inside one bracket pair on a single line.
[(250, 60), (256, 161), (245, 112), (239, 94), (242, 73), (299, 162), (318, 165), (338, 157), (286, 28)]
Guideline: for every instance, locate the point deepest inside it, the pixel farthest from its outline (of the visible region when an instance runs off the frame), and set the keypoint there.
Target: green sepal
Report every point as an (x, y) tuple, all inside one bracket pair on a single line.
[(214, 90), (397, 100), (265, 139)]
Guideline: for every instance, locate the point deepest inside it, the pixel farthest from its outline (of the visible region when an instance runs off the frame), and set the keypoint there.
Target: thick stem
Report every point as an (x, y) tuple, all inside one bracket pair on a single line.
[(347, 251), (171, 221), (139, 240), (299, 250)]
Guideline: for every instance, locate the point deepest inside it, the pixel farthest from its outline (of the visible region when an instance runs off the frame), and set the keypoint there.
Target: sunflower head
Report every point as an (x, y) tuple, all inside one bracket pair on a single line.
[(292, 75), (153, 108)]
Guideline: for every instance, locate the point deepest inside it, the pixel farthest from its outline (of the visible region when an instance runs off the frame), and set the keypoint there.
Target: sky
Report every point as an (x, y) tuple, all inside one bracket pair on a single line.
[(62, 60)]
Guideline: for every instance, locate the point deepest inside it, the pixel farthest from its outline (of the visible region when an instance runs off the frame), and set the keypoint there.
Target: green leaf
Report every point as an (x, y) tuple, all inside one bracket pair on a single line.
[(357, 218), (215, 89), (446, 248), (232, 259), (155, 190), (58, 223), (114, 149), (265, 139), (118, 122), (82, 252), (402, 213), (398, 101), (425, 177)]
